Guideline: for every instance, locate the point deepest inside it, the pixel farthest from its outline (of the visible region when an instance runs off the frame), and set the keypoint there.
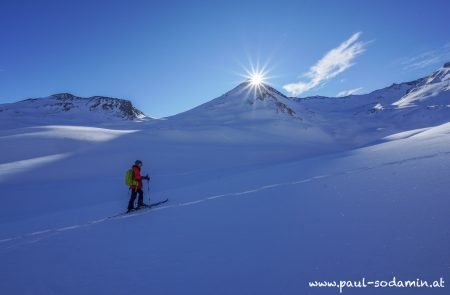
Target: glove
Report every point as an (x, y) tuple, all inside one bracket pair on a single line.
[(146, 177)]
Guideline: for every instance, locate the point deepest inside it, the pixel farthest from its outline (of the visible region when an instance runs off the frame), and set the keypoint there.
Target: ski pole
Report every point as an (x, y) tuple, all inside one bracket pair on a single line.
[(148, 189)]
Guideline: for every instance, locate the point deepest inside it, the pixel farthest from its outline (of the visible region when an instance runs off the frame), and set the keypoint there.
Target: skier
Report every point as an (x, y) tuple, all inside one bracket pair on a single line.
[(136, 187)]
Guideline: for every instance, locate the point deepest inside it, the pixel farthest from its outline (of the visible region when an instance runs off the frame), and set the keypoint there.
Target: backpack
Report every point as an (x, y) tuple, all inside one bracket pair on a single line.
[(129, 177)]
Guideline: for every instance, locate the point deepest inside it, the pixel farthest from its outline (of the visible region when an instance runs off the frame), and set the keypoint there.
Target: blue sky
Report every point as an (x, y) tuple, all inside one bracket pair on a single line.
[(170, 56)]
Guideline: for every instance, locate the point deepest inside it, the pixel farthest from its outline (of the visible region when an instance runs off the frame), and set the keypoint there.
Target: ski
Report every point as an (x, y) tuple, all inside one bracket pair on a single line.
[(158, 203), (151, 205), (141, 208)]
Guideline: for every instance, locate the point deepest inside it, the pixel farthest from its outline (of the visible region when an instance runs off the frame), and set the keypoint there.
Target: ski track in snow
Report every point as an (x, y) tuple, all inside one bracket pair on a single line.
[(37, 236)]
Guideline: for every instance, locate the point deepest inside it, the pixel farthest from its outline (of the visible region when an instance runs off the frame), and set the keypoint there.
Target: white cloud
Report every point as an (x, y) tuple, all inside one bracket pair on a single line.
[(330, 65), (427, 58), (348, 92)]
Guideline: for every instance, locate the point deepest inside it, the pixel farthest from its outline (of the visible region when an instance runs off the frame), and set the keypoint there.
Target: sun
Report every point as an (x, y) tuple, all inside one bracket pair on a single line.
[(256, 76), (257, 79)]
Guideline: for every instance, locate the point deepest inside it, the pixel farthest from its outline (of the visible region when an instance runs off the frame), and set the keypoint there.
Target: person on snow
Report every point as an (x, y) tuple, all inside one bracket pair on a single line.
[(136, 187)]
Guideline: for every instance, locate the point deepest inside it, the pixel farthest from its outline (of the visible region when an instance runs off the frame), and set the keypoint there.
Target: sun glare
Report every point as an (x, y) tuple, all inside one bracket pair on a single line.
[(256, 79)]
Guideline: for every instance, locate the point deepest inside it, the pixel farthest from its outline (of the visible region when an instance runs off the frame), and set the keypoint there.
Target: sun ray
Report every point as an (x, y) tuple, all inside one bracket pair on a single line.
[(256, 75)]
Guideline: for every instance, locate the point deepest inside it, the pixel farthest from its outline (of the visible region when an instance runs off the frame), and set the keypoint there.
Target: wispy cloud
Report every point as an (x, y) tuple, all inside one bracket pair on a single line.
[(334, 62), (348, 92), (428, 58)]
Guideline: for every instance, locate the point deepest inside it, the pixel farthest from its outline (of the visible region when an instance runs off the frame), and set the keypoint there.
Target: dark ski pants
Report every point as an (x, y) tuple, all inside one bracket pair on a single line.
[(134, 193)]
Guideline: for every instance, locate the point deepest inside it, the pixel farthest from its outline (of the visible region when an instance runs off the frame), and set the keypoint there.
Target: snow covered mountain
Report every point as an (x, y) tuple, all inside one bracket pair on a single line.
[(245, 102), (355, 119), (431, 92), (410, 105), (428, 92), (66, 108), (417, 104)]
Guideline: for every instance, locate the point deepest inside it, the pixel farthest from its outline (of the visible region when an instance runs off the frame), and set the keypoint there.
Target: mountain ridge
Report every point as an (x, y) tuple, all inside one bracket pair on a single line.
[(68, 108), (244, 102)]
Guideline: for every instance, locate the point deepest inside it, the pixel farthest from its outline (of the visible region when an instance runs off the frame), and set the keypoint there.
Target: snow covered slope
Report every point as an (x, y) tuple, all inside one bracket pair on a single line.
[(237, 222), (65, 108)]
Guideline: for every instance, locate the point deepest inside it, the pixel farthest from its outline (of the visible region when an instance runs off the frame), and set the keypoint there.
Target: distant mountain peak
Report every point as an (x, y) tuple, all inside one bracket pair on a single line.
[(64, 96), (257, 91), (428, 87), (263, 93), (244, 102), (68, 108), (440, 75)]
